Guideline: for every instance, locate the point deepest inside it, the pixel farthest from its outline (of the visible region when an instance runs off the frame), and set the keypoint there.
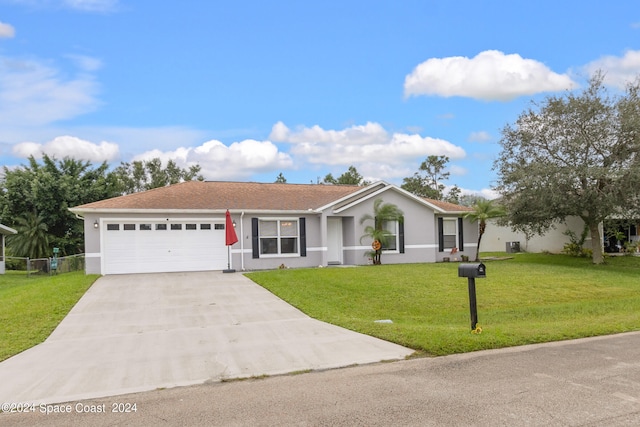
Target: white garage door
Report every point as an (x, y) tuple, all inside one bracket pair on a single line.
[(159, 247)]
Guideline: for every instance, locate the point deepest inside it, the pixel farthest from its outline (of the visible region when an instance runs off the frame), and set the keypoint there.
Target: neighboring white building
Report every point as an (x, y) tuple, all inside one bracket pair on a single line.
[(498, 238), (4, 230)]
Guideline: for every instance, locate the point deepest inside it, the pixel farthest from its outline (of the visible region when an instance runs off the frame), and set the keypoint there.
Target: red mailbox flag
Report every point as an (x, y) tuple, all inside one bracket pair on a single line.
[(230, 232)]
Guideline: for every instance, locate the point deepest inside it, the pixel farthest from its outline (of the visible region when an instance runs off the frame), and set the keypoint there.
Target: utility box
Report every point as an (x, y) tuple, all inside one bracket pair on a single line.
[(512, 247), (472, 270)]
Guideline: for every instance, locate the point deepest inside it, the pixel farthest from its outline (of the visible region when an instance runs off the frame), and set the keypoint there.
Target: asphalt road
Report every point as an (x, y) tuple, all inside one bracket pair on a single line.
[(588, 382)]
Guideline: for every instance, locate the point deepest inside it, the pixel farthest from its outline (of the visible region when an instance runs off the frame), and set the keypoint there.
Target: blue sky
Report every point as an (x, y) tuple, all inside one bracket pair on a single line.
[(249, 89)]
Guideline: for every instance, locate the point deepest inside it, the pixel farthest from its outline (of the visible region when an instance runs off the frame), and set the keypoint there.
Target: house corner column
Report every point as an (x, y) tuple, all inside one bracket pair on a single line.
[(324, 241)]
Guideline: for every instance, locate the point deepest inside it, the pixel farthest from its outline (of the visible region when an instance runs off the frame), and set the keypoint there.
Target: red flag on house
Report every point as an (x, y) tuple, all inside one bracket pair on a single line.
[(230, 231)]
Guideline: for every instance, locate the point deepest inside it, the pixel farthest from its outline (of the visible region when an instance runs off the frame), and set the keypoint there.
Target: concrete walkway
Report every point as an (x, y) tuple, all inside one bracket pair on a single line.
[(135, 333)]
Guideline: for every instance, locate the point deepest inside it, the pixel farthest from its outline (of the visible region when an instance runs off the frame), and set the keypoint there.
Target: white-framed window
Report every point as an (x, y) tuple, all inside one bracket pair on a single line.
[(279, 236), (392, 243), (450, 233)]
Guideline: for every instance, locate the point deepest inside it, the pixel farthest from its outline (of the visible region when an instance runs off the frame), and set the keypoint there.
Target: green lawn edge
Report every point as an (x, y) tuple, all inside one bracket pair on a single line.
[(31, 307), (525, 299)]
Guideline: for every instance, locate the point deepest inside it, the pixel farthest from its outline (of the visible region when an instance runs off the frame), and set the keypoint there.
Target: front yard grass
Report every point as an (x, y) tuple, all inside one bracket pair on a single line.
[(32, 307), (531, 298)]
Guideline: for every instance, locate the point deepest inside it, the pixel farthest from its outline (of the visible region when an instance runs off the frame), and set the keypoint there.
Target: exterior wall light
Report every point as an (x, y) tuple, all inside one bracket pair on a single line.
[(95, 224)]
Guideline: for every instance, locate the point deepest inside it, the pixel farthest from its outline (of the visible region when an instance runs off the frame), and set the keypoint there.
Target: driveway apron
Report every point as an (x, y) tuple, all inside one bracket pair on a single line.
[(132, 333)]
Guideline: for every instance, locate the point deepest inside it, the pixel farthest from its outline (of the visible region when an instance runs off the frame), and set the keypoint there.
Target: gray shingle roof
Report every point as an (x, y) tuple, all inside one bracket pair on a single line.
[(228, 195), (222, 195)]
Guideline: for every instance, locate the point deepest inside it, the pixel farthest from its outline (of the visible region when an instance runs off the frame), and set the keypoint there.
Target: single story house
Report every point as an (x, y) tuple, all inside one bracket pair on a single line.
[(4, 231), (182, 227)]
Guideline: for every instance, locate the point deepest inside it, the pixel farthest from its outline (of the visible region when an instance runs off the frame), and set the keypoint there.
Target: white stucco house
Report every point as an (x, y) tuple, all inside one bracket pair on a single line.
[(182, 227), (499, 238), (4, 231)]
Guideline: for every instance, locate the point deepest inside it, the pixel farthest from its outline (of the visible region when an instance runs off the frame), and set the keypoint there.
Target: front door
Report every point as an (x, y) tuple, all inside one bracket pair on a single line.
[(334, 240)]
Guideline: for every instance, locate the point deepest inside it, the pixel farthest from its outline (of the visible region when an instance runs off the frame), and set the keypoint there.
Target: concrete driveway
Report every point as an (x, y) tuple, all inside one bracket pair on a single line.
[(135, 333)]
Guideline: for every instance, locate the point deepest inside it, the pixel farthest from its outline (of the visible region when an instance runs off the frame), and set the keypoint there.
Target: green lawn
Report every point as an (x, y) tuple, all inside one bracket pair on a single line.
[(531, 298), (32, 307), (528, 299)]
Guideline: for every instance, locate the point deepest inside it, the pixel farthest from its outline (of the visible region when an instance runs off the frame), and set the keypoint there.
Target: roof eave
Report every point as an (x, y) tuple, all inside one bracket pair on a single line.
[(350, 195), (96, 211), (454, 212), (386, 187), (7, 230)]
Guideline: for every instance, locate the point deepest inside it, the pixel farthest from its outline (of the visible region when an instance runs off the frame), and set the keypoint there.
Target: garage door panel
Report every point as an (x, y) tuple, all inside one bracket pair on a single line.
[(148, 251)]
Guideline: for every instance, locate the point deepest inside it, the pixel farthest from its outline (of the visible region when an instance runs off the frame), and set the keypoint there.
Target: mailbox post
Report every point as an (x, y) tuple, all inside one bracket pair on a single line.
[(471, 271)]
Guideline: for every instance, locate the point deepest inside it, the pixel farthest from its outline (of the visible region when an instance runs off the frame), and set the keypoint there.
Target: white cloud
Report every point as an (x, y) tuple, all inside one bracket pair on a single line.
[(98, 6), (131, 140), (618, 70), (371, 133), (34, 94), (487, 193), (369, 147), (86, 63), (457, 170), (91, 5), (69, 146), (490, 194), (479, 136), (240, 160), (490, 75), (6, 31)]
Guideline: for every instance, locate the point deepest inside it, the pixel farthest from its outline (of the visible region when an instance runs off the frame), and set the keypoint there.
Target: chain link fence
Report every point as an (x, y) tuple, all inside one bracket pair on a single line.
[(45, 265)]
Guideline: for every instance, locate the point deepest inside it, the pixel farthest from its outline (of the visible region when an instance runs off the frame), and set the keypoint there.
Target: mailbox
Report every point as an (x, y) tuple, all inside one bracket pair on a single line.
[(472, 270)]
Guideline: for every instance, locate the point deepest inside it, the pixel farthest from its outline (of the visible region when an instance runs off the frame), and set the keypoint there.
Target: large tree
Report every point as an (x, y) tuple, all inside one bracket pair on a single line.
[(49, 188), (32, 239), (573, 155), (142, 175), (350, 177), (428, 181), (470, 199)]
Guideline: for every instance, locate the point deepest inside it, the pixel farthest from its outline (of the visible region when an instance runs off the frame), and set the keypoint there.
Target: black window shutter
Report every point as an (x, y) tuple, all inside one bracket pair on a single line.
[(401, 235), (440, 235), (303, 237), (255, 241), (460, 235)]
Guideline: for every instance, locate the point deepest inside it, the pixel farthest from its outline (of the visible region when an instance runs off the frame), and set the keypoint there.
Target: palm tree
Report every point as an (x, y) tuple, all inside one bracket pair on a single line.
[(482, 211), (377, 233), (32, 239)]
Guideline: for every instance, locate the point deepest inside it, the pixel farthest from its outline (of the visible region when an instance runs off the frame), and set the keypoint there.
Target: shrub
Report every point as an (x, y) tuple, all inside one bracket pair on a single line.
[(575, 245)]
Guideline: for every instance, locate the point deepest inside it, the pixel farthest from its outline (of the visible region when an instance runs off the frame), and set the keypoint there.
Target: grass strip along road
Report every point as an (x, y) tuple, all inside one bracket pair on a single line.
[(530, 298)]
